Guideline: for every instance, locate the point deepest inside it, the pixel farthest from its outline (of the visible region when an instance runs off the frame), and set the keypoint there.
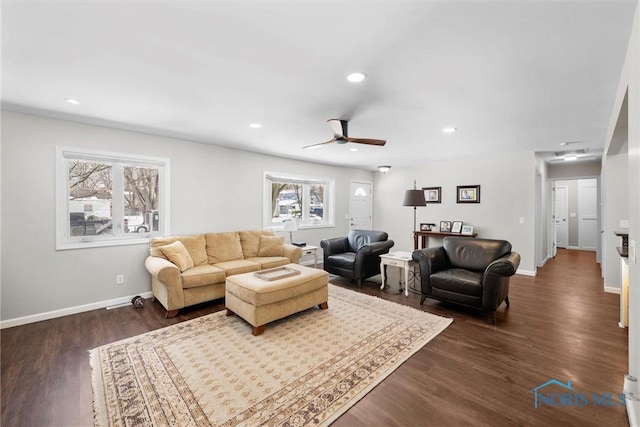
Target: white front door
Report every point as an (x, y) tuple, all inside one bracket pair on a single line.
[(588, 213), (360, 206), (560, 217)]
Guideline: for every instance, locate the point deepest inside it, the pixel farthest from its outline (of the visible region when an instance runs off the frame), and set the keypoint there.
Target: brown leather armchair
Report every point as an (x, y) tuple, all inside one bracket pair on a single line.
[(467, 271), (356, 256)]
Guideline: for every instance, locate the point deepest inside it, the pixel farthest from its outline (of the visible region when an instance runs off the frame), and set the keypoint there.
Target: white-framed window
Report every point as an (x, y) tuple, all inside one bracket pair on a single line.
[(109, 199), (309, 201)]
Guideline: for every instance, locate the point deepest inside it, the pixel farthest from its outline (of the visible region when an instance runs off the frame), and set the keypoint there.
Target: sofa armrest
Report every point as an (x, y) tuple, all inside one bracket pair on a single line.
[(165, 271), (293, 252)]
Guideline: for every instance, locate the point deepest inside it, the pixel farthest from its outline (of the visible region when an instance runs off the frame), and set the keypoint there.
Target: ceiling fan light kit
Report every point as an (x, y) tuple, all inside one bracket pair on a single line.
[(340, 130)]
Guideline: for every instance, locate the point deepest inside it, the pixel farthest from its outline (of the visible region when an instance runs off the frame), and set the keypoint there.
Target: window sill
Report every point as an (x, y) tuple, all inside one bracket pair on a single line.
[(63, 246)]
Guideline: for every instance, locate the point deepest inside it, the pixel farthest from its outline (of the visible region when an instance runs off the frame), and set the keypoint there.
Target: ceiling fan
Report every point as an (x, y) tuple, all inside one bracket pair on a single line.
[(340, 135)]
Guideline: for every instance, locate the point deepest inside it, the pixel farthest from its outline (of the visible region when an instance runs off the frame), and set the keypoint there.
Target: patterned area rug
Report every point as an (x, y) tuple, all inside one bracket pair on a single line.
[(307, 369)]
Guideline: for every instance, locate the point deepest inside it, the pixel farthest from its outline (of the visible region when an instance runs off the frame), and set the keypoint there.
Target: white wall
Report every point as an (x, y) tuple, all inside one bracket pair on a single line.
[(507, 194), (212, 189), (616, 208), (630, 84)]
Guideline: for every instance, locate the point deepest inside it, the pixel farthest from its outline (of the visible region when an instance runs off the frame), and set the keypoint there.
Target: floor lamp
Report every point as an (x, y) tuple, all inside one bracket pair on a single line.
[(414, 198)]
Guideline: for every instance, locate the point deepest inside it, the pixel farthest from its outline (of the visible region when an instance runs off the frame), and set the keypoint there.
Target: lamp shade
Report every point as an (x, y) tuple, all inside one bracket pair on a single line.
[(289, 226), (414, 198)]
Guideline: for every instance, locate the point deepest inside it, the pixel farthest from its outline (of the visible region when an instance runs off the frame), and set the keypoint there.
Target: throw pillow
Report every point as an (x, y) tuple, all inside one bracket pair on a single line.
[(177, 254), (271, 246)]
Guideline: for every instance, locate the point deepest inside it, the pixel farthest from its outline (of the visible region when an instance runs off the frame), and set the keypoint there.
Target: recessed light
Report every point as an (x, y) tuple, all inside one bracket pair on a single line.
[(255, 125), (356, 77), (72, 101), (353, 149), (449, 130)]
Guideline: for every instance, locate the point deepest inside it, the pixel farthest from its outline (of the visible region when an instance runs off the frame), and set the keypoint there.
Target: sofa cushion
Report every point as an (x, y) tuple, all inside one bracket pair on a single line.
[(223, 247), (271, 246), (458, 280), (270, 261), (202, 275), (250, 241), (195, 245), (177, 254), (238, 266)]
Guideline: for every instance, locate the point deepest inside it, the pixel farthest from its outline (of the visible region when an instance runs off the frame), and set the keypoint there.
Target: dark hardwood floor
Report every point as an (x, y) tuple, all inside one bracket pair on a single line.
[(560, 325)]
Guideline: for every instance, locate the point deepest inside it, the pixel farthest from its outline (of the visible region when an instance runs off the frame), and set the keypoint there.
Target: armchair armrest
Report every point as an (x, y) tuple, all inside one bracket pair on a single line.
[(495, 280), (430, 260), (376, 248), (505, 265)]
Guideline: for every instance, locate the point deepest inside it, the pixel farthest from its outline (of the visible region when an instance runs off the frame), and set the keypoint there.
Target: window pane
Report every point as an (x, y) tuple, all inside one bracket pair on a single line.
[(286, 200), (141, 189), (316, 208), (90, 193)]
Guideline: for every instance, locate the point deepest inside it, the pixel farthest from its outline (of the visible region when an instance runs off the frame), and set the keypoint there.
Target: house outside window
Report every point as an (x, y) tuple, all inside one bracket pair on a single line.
[(307, 200), (107, 199)]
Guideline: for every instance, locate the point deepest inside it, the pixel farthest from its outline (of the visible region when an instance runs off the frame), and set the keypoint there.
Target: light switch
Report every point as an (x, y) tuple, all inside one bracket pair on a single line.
[(624, 223), (521, 220), (572, 215)]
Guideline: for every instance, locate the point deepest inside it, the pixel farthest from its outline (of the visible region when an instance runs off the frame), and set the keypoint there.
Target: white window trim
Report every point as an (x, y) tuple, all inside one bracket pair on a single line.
[(63, 240), (266, 204)]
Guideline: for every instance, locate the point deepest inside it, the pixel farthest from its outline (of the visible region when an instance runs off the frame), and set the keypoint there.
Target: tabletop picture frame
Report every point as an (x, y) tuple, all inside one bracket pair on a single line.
[(445, 226), (468, 194), (456, 227), (432, 194), (467, 229)]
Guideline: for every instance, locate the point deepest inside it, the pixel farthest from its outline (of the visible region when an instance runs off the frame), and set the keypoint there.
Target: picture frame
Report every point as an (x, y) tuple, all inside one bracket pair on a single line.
[(467, 229), (432, 194), (445, 226), (468, 194), (456, 227)]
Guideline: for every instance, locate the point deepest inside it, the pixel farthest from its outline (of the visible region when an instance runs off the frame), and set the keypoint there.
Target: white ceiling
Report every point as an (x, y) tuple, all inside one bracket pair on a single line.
[(512, 76)]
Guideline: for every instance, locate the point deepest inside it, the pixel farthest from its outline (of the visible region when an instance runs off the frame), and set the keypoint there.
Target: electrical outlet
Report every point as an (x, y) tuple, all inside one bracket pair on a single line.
[(120, 279)]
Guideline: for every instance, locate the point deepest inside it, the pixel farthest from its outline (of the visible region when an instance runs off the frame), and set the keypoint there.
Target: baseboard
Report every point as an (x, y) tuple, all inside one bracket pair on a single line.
[(526, 273), (612, 290), (67, 311)]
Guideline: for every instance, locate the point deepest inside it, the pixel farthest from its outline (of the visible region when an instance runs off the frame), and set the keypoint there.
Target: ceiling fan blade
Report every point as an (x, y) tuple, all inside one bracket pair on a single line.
[(339, 127), (368, 141), (318, 145)]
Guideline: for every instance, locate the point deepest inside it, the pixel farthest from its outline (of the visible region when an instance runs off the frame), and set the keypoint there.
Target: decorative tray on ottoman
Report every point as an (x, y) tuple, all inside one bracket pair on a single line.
[(277, 273)]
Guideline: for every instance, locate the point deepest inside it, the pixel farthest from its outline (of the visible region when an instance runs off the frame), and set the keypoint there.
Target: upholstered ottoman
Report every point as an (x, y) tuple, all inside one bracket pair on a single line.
[(260, 301)]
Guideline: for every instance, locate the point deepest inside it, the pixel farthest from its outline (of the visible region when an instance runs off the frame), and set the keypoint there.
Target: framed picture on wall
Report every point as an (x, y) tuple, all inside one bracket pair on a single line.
[(468, 194), (432, 194)]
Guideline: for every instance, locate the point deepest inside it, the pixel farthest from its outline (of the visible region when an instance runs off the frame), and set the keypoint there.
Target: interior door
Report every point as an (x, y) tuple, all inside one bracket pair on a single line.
[(588, 214), (360, 206), (561, 213)]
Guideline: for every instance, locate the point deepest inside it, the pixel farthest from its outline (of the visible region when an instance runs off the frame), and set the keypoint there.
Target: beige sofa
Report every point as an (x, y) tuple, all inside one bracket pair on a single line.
[(195, 269)]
